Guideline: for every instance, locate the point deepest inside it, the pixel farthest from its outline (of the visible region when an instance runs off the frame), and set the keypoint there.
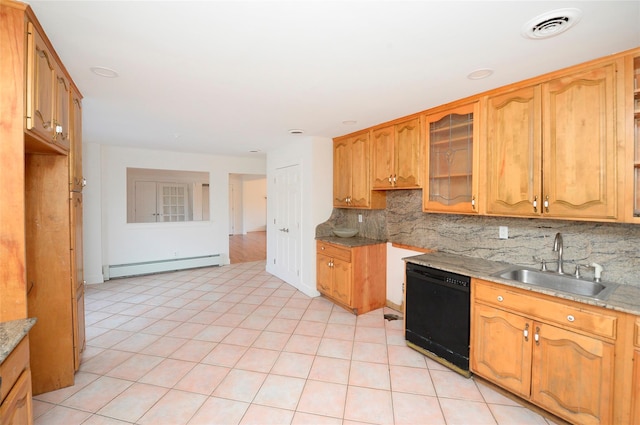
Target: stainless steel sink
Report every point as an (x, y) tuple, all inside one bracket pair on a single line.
[(558, 282)]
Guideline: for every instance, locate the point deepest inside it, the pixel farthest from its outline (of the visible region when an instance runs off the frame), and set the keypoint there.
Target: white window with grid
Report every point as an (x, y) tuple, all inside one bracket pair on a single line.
[(173, 202)]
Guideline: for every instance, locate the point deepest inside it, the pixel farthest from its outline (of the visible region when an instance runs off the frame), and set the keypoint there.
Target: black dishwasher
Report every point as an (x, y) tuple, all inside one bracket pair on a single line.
[(437, 315)]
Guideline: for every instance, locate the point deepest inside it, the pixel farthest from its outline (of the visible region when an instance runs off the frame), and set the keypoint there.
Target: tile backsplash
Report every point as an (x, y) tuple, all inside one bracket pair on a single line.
[(614, 246)]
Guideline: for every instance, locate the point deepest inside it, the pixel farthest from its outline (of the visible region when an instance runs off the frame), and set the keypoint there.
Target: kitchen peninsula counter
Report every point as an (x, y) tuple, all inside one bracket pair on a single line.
[(624, 298), (11, 333)]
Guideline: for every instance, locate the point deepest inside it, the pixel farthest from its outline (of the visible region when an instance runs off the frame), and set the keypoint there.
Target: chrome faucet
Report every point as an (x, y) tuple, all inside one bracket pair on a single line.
[(557, 247)]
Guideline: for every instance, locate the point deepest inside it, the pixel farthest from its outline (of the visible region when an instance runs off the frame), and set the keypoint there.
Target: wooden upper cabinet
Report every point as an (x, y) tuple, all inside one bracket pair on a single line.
[(48, 95), (62, 111), (382, 163), (632, 158), (396, 156), (41, 85), (351, 188), (579, 145), (452, 148), (551, 148), (360, 191), (513, 152), (341, 172), (76, 179)]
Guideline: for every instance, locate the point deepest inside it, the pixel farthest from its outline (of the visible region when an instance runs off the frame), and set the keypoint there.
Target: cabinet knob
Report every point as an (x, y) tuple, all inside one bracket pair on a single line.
[(526, 332), (500, 298), (546, 203), (570, 318), (322, 248)]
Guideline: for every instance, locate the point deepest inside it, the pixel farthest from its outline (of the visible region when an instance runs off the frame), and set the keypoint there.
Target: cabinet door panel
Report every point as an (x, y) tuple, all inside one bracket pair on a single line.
[(407, 154), (360, 171), (324, 274), (76, 179), (62, 121), (382, 142), (580, 145), (572, 375), (342, 281), (451, 183), (635, 390), (341, 173), (500, 351), (513, 153), (17, 408), (40, 85)]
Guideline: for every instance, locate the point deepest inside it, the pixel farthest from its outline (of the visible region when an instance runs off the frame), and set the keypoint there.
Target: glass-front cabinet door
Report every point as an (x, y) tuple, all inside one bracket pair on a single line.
[(452, 161), (636, 139)]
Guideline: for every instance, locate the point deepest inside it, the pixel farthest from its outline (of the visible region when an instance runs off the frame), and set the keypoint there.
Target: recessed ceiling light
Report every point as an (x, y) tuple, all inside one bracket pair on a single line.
[(551, 23), (104, 72), (296, 131), (479, 74), (254, 151), (350, 122)]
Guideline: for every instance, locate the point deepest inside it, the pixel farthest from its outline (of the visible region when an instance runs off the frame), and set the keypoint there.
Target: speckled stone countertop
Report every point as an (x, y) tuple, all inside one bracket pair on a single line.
[(11, 333), (349, 242), (625, 298)]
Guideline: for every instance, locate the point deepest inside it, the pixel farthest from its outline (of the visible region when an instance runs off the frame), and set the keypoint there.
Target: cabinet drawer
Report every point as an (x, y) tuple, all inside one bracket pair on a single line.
[(334, 251), (546, 310), (13, 366)]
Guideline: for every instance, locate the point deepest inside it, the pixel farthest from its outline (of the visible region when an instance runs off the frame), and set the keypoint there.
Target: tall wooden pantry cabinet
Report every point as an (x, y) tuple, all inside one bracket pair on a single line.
[(41, 216)]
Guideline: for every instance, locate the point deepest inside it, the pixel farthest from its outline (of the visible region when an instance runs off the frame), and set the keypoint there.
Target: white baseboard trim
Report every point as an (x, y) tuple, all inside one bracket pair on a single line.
[(148, 267)]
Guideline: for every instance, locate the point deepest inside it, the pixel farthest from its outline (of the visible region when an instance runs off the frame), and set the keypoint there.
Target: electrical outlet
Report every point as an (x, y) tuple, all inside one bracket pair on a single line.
[(503, 232), (359, 218)]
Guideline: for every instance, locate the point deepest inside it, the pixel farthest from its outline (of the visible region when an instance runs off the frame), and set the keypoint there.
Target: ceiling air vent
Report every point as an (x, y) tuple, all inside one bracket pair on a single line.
[(551, 23)]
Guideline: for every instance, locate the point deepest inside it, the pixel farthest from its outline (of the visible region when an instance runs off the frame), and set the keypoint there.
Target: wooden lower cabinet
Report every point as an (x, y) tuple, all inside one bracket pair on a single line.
[(16, 405), (572, 375), (353, 277), (564, 369), (501, 352), (635, 389)]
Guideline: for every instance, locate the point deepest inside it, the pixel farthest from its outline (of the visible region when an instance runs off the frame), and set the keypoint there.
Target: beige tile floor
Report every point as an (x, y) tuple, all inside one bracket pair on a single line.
[(236, 345)]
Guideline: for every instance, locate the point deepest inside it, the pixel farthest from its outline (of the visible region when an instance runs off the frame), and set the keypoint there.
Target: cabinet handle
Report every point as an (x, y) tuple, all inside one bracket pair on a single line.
[(546, 203), (329, 264), (526, 332), (473, 202), (84, 182), (390, 179), (536, 337), (500, 299), (394, 179), (571, 318), (535, 203)]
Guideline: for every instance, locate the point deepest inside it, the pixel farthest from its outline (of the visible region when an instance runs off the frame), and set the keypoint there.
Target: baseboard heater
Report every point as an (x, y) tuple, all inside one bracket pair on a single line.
[(148, 267)]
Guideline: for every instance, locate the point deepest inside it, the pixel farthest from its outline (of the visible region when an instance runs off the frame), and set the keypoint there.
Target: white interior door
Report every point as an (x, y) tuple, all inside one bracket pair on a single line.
[(286, 225), (145, 202)]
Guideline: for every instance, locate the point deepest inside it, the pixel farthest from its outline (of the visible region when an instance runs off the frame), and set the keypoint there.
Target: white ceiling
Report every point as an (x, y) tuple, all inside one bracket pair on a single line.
[(227, 77)]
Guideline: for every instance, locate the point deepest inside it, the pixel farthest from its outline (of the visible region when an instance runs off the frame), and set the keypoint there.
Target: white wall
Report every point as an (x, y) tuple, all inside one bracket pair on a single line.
[(396, 272), (122, 243), (315, 157), (254, 203)]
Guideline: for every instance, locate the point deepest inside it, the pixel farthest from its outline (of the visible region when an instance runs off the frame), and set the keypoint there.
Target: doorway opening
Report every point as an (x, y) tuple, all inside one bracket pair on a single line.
[(247, 218)]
